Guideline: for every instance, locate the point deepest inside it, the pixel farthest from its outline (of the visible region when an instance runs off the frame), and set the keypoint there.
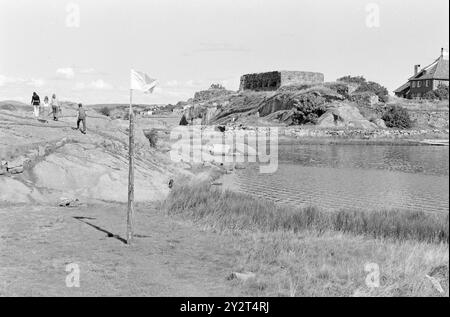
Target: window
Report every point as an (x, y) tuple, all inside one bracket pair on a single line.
[(419, 83), (413, 84), (427, 83)]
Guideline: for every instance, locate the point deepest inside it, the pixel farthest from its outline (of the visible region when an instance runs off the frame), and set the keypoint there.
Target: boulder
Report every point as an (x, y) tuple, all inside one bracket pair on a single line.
[(3, 167), (16, 166), (15, 170), (244, 276), (68, 202), (219, 149), (380, 123), (344, 115)]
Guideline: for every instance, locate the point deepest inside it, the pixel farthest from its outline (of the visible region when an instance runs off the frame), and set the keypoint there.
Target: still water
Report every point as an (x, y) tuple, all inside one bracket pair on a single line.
[(355, 176)]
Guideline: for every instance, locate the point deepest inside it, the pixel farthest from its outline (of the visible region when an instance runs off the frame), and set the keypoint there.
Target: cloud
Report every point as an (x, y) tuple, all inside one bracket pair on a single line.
[(67, 72), (79, 86), (98, 84), (6, 80), (221, 47), (194, 83), (87, 71), (172, 83), (3, 80), (101, 84), (36, 82)]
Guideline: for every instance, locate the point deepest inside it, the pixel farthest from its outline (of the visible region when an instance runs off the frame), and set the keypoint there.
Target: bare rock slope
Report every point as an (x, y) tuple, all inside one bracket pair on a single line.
[(45, 161)]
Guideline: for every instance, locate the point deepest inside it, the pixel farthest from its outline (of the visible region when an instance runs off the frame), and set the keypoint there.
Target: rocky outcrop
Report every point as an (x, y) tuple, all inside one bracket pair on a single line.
[(291, 100), (301, 103), (214, 91), (344, 115)]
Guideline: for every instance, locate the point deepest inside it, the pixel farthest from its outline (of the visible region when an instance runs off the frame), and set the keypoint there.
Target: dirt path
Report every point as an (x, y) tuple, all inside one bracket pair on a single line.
[(169, 257)]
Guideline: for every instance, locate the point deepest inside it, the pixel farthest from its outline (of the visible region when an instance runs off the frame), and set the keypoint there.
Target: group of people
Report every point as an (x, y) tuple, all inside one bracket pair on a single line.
[(39, 109)]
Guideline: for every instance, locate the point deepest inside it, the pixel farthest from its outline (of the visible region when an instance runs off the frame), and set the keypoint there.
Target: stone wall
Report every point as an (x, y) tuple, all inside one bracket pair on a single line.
[(276, 79), (426, 118)]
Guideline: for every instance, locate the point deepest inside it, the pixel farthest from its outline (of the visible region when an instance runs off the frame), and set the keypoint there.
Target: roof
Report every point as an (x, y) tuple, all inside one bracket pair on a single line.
[(439, 69), (402, 87)]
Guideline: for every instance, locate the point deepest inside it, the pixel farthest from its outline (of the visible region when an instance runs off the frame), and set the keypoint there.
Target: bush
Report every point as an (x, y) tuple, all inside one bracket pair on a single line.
[(340, 88), (308, 108), (442, 92), (397, 117), (152, 136), (367, 86), (105, 111), (217, 86), (353, 79), (376, 88), (430, 95)]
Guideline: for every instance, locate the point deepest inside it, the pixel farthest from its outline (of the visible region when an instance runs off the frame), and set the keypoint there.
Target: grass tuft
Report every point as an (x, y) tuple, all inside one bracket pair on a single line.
[(230, 210)]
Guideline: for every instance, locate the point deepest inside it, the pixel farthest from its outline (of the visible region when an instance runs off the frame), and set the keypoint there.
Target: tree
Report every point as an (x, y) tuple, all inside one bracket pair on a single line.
[(217, 86), (183, 120)]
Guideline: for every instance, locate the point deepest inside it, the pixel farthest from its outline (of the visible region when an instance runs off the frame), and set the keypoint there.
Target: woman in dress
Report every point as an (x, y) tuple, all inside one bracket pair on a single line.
[(45, 105)]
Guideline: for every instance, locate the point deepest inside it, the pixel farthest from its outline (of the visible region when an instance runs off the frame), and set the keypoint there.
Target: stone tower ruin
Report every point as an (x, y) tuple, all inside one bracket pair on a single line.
[(276, 79)]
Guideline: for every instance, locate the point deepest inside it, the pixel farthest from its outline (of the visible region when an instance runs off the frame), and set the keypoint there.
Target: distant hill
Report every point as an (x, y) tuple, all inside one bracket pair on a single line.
[(13, 105)]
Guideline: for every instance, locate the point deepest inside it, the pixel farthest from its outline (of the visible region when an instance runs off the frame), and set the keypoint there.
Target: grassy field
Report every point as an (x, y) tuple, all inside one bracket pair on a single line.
[(308, 252)]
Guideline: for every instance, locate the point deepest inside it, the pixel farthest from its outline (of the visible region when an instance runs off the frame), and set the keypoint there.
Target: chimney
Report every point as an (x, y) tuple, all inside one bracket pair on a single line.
[(416, 69), (444, 54)]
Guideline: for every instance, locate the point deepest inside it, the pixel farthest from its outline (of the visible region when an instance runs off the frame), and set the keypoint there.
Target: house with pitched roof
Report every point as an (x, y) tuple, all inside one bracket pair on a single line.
[(426, 79)]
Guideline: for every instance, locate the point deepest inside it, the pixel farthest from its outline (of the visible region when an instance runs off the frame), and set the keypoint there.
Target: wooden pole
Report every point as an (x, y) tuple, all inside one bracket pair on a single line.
[(130, 211)]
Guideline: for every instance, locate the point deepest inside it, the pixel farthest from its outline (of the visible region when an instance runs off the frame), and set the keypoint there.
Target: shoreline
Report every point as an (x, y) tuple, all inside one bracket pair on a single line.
[(357, 141)]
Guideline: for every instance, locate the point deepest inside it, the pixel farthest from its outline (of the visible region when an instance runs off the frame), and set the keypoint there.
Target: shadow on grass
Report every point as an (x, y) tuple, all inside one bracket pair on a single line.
[(109, 234)]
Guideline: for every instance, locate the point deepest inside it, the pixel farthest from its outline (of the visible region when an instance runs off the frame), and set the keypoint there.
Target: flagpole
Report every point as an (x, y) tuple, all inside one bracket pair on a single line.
[(130, 210)]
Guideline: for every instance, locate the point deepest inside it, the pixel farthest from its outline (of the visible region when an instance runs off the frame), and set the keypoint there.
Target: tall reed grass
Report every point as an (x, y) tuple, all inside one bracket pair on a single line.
[(231, 210)]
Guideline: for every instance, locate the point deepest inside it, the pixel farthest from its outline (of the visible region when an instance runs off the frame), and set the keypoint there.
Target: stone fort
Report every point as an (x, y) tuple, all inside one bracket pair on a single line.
[(276, 79)]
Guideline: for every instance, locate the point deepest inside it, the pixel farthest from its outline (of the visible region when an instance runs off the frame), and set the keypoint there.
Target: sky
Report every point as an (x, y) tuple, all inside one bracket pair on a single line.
[(83, 50)]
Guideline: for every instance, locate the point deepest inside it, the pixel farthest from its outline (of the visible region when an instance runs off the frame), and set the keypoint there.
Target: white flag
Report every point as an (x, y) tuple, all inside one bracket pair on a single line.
[(141, 81)]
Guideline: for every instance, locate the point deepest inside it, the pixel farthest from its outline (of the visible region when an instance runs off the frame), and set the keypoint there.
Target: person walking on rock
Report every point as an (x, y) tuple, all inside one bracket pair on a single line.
[(35, 102), (81, 117), (55, 107), (45, 106)]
